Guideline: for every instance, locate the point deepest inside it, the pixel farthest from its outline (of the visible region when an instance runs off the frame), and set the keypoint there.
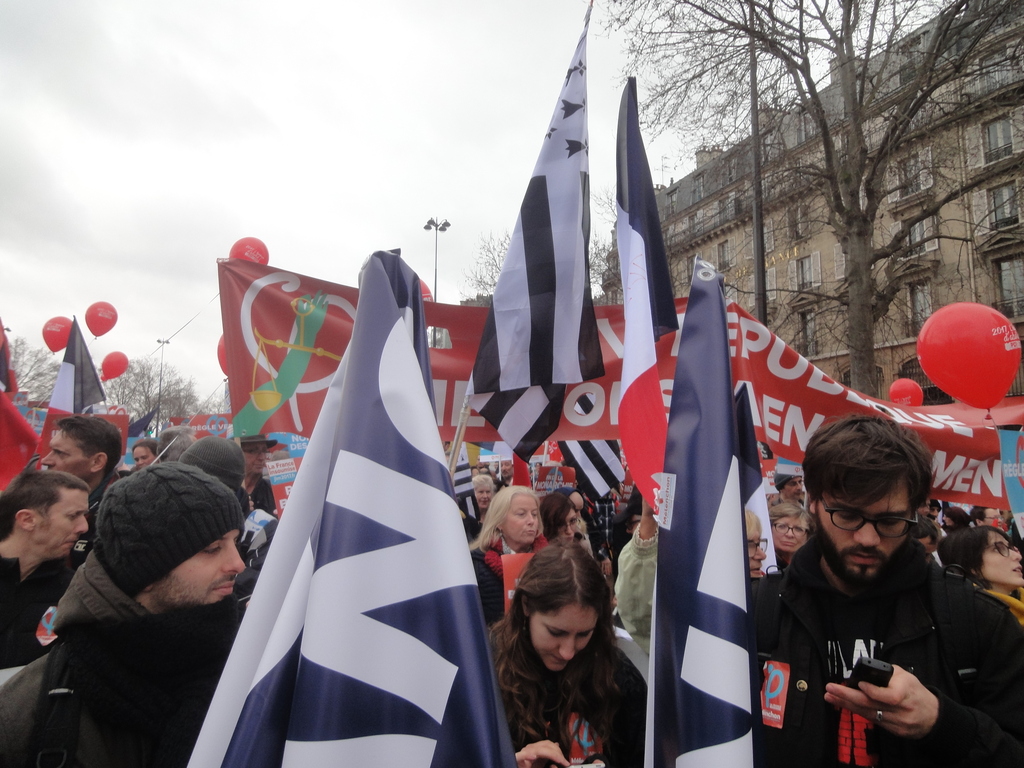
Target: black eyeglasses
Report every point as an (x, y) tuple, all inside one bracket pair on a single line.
[(796, 530), (1002, 548), (889, 526), (756, 544)]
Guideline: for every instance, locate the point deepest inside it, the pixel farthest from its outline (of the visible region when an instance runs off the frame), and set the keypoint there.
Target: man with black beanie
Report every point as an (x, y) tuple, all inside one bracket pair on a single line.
[(143, 631)]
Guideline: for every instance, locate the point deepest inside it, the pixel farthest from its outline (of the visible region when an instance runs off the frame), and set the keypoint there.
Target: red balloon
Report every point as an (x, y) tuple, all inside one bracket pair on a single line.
[(56, 331), (970, 351), (250, 249), (114, 364), (425, 290), (101, 317), (222, 356), (906, 392)]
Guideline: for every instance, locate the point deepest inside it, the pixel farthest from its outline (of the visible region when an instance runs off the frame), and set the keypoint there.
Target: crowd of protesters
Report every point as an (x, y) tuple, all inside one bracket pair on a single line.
[(127, 590)]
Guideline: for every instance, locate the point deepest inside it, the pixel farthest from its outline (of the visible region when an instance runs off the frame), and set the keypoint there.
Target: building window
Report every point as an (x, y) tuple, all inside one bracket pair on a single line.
[(730, 170), (1004, 206), (805, 273), (672, 201), (798, 221), (698, 188), (770, 149), (996, 71), (725, 256), (907, 73), (804, 127), (922, 237), (998, 140), (1011, 286), (920, 305), (910, 175), (806, 342), (804, 279)]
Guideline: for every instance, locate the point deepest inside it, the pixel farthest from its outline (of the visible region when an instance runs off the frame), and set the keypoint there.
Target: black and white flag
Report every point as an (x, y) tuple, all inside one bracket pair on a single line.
[(463, 481), (597, 463), (541, 333)]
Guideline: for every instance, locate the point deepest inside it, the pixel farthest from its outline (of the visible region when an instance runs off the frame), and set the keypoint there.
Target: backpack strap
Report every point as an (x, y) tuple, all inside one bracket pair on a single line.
[(952, 597), (767, 612), (55, 738)]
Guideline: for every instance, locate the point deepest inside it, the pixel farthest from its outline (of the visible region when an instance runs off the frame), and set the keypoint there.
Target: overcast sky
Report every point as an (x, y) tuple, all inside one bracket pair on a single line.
[(139, 140)]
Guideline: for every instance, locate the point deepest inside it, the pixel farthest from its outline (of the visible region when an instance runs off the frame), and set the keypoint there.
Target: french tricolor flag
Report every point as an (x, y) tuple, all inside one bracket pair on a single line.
[(647, 300)]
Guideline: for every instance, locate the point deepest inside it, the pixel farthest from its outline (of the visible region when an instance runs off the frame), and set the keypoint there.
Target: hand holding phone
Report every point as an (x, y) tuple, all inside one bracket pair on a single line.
[(868, 670)]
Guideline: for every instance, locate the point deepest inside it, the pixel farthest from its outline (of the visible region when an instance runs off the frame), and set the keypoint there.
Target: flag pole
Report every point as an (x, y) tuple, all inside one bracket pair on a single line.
[(460, 433)]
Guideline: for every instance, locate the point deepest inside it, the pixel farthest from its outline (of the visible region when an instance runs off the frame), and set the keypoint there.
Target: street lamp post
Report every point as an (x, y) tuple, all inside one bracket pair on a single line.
[(442, 227), (160, 385)]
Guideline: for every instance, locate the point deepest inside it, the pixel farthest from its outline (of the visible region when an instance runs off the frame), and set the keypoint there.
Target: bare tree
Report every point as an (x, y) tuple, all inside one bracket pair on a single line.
[(36, 369), (139, 388), (850, 92), (482, 276)]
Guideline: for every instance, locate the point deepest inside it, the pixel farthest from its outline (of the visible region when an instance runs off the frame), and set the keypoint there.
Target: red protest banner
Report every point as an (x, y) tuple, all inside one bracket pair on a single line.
[(286, 332)]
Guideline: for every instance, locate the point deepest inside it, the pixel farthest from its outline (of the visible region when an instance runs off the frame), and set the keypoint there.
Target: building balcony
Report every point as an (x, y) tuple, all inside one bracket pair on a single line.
[(698, 227), (1013, 307), (998, 153)]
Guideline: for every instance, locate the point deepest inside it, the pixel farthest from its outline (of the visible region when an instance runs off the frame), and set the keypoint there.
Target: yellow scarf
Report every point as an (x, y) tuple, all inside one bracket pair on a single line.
[(1013, 601)]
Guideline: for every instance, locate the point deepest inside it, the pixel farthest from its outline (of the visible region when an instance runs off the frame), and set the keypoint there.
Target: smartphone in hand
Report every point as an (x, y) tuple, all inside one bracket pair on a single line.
[(870, 670)]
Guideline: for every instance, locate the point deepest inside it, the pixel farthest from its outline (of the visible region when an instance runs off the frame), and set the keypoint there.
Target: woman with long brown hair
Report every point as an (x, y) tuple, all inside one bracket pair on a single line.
[(569, 693)]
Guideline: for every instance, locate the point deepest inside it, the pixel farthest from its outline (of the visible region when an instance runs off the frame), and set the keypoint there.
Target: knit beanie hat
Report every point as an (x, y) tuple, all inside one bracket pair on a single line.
[(783, 474), (152, 521), (219, 457)]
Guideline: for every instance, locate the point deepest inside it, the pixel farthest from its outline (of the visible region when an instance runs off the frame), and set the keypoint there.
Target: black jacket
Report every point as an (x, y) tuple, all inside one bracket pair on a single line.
[(492, 589), (23, 605), (262, 497), (987, 730)]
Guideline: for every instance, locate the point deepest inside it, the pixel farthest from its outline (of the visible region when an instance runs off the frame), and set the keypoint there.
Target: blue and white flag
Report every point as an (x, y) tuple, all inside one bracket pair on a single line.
[(541, 331), (364, 643), (703, 664), (138, 427)]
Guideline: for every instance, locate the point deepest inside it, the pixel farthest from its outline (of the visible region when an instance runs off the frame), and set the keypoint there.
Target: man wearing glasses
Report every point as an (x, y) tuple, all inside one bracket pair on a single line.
[(257, 487), (861, 586)]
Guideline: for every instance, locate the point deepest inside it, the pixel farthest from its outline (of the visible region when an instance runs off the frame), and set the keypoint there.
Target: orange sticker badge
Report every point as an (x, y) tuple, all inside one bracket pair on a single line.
[(773, 693)]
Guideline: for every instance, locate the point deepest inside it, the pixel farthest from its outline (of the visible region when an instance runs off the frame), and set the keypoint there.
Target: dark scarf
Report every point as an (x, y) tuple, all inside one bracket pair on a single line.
[(155, 674), (493, 555)]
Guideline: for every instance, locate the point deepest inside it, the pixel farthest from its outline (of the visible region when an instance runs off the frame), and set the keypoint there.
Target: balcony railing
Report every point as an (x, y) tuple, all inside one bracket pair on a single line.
[(1013, 307), (998, 153), (698, 227)]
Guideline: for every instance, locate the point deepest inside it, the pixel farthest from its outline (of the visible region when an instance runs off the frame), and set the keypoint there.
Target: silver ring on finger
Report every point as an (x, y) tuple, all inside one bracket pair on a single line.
[(878, 716)]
